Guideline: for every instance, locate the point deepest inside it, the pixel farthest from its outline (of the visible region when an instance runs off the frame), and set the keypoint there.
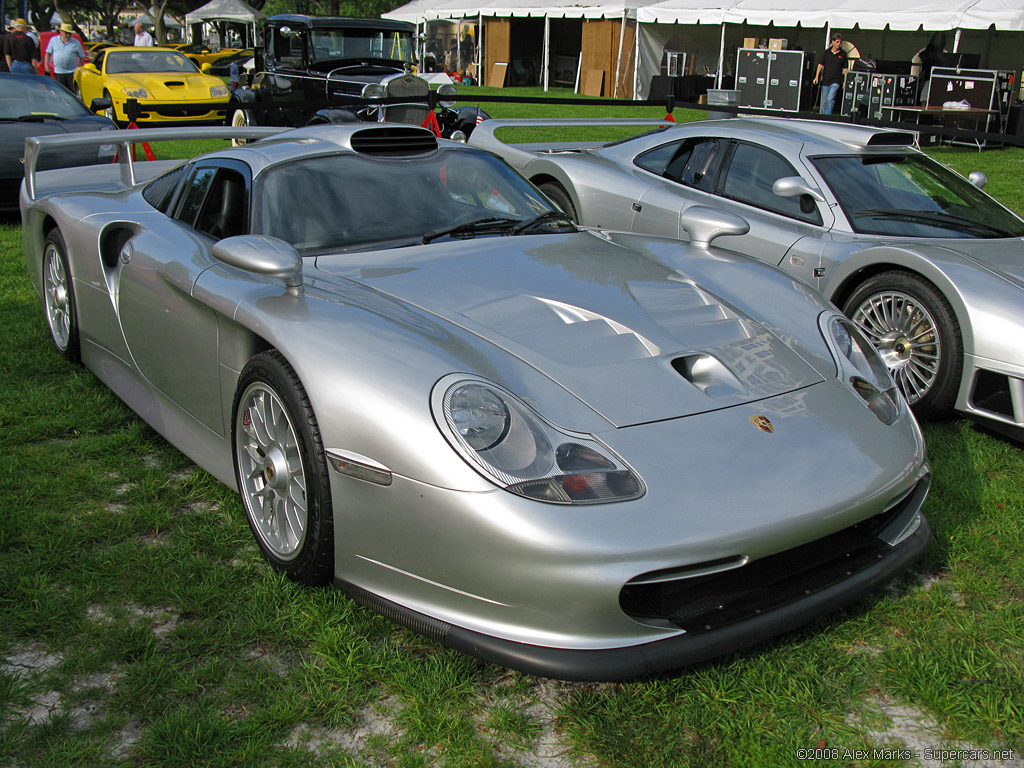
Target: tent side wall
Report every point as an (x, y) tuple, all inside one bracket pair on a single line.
[(600, 52)]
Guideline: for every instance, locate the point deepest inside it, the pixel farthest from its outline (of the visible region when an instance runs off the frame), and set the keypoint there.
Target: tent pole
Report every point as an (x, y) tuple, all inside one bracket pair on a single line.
[(547, 47), (618, 59), (479, 46), (956, 41), (721, 58), (636, 62)]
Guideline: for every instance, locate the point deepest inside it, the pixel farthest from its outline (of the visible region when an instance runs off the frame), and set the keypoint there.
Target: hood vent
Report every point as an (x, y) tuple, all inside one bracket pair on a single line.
[(394, 141)]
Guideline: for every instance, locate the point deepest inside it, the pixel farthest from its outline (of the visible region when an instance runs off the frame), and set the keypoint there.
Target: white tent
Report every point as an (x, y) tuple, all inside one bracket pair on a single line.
[(701, 26), (236, 11)]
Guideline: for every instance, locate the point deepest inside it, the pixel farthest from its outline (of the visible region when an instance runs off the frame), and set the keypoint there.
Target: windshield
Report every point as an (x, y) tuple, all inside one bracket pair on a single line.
[(343, 201), (36, 97), (913, 196), (122, 62), (361, 44)]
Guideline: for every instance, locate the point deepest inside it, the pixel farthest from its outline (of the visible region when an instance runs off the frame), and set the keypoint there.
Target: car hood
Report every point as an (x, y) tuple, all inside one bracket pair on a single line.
[(171, 86), (13, 135), (633, 338), (1005, 257)]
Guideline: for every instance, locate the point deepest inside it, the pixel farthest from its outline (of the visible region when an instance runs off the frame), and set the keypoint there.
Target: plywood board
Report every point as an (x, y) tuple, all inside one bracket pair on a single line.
[(496, 77), (593, 82)]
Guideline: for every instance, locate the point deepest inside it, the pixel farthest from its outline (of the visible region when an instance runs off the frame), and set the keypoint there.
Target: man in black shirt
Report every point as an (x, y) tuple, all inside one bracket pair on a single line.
[(20, 49), (830, 73)]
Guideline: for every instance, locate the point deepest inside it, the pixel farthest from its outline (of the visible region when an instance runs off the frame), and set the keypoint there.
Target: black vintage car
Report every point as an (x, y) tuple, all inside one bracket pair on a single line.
[(312, 70)]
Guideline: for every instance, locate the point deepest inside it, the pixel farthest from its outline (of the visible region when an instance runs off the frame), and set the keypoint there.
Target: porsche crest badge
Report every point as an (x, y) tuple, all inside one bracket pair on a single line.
[(762, 423)]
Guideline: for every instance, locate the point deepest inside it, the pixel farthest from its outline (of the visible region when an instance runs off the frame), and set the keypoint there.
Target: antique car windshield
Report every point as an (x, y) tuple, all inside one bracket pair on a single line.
[(335, 202), (121, 62), (913, 196), (361, 44), (37, 98)]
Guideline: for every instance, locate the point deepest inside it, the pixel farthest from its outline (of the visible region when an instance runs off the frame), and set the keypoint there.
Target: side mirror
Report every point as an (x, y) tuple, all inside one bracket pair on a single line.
[(978, 179), (262, 255), (100, 103), (794, 186), (206, 68), (705, 224), (90, 67)]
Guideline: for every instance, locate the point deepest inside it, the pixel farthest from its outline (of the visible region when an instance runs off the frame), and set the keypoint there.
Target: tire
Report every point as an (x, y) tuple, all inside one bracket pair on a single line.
[(914, 328), (281, 469), (557, 194), (241, 118), (59, 297)]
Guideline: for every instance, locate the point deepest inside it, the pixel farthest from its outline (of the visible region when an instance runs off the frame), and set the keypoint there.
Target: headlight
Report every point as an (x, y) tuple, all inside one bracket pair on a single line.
[(514, 447), (860, 367), (446, 95), (216, 91), (135, 93), (373, 91)]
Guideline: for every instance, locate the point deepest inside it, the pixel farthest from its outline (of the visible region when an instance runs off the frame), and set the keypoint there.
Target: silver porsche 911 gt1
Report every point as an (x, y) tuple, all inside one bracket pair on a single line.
[(929, 266), (580, 454)]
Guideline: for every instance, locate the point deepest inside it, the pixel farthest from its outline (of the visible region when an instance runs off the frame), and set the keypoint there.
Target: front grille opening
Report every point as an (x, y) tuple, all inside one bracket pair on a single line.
[(394, 141), (992, 393), (704, 603)]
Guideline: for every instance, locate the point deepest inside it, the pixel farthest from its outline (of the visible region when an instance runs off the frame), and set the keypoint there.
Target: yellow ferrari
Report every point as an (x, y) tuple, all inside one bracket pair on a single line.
[(168, 87), (201, 54)]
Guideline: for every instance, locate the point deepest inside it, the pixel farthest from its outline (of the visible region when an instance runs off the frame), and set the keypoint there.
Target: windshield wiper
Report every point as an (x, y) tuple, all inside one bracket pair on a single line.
[(943, 220), (470, 228), (31, 118), (547, 218)]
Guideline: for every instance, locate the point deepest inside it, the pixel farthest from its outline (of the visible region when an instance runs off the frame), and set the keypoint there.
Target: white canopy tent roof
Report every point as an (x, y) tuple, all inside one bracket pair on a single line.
[(225, 10), (842, 14), (422, 10)]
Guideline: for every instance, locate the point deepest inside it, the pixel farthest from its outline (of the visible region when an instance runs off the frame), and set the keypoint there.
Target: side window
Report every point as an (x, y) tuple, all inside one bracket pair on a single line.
[(160, 192), (751, 174), (286, 47), (194, 193), (657, 160), (693, 162), (225, 211)]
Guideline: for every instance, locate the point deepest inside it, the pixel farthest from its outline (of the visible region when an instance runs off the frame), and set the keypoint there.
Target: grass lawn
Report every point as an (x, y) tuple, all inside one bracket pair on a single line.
[(140, 627)]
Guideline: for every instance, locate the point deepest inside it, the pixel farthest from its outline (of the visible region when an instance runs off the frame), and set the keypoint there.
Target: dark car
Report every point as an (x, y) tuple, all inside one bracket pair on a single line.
[(311, 70), (38, 106)]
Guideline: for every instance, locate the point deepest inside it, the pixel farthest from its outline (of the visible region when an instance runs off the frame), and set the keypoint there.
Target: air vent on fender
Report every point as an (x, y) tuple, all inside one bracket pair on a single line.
[(394, 141)]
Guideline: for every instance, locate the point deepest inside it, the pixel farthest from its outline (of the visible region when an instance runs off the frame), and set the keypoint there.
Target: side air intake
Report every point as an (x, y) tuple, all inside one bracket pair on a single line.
[(394, 141)]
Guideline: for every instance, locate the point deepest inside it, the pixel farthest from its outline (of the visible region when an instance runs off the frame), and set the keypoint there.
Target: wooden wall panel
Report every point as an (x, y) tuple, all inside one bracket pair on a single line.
[(497, 43), (600, 48)]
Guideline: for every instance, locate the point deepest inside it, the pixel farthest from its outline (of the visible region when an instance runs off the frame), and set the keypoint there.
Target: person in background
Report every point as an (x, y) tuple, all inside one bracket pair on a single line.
[(21, 50), (142, 37), (233, 75), (64, 54), (830, 73)]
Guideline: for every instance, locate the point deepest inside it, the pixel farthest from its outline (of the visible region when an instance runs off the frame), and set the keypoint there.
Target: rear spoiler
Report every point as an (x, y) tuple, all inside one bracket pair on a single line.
[(38, 146), (518, 155)]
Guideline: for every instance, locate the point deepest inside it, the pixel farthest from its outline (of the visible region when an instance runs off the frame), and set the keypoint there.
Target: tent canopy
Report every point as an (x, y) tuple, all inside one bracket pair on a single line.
[(841, 14), (420, 10), (225, 10)]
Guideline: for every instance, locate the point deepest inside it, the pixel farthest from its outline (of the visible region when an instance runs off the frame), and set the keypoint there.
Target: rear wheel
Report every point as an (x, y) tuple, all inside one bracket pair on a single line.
[(557, 194), (110, 112), (916, 331), (59, 297), (281, 469)]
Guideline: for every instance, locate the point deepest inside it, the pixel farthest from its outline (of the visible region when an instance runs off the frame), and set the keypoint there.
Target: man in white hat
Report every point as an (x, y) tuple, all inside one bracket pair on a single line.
[(64, 54), (20, 49)]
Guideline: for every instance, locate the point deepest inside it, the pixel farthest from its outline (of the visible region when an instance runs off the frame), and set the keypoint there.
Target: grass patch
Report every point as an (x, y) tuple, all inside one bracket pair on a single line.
[(139, 625)]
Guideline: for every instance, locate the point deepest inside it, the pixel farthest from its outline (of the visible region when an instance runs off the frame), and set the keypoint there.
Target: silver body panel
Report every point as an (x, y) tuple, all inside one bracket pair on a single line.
[(581, 326), (983, 279)]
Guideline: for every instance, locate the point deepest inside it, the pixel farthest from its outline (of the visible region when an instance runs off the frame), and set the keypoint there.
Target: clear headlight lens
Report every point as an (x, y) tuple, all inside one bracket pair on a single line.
[(860, 367), (135, 93), (516, 448), (373, 91), (216, 91), (446, 95)]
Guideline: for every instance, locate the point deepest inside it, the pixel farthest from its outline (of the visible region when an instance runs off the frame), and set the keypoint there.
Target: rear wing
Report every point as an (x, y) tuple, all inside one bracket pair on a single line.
[(40, 146), (519, 155)]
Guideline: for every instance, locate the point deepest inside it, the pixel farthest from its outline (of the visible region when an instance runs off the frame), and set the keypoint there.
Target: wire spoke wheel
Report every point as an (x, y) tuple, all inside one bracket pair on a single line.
[(915, 330), (271, 472)]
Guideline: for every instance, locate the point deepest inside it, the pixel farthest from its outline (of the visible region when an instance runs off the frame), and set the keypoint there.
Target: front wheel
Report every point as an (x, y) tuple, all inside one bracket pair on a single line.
[(59, 297), (281, 469), (241, 118), (557, 194), (110, 112), (914, 328)]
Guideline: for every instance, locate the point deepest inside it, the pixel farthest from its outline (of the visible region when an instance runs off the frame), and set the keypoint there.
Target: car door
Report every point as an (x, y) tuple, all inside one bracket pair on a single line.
[(776, 223), (171, 337), (683, 173), (286, 85)]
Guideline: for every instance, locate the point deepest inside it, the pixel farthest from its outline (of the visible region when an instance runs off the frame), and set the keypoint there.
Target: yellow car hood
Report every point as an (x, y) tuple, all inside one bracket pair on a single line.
[(171, 86)]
